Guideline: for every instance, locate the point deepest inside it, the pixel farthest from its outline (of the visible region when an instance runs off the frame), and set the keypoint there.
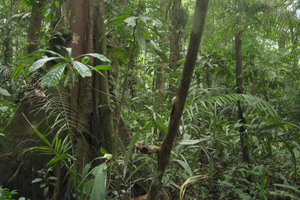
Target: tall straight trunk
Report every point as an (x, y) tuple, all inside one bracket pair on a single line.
[(177, 109), (7, 41), (103, 120), (239, 90), (34, 28), (81, 91), (174, 41)]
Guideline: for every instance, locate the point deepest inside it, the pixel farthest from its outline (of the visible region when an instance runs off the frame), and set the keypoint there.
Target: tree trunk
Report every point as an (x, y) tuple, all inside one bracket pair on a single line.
[(174, 42), (239, 90), (177, 109), (17, 167), (35, 24), (103, 121), (7, 41), (159, 72)]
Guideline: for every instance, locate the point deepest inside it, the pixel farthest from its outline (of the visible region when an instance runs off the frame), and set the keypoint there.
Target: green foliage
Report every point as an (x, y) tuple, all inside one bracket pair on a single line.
[(206, 158), (5, 194), (66, 69)]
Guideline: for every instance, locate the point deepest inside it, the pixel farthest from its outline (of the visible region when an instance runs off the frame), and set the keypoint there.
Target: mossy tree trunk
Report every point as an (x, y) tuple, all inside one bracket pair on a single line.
[(17, 167), (83, 26)]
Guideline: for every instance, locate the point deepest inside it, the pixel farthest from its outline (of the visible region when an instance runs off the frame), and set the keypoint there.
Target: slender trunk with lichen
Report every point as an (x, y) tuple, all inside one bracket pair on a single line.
[(178, 105)]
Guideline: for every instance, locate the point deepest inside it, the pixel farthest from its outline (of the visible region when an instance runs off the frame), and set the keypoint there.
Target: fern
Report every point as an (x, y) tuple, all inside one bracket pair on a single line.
[(4, 73), (253, 101)]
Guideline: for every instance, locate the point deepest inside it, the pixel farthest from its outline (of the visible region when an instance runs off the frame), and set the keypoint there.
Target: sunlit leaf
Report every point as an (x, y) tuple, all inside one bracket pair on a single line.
[(131, 21), (96, 55), (4, 92), (40, 63), (82, 69), (140, 38), (103, 67), (51, 78)]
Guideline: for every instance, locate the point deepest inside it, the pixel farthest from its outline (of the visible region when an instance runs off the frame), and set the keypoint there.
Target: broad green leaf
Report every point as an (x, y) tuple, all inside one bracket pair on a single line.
[(186, 167), (243, 195), (144, 18), (191, 142), (52, 77), (288, 187), (52, 178), (40, 63), (4, 92), (46, 51), (88, 186), (16, 72), (161, 126), (96, 55), (37, 180), (140, 38), (131, 21), (99, 187), (69, 50), (103, 67), (82, 69)]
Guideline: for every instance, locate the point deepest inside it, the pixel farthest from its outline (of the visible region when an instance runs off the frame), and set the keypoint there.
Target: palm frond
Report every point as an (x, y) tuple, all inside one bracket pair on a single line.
[(55, 102), (4, 72), (253, 101)]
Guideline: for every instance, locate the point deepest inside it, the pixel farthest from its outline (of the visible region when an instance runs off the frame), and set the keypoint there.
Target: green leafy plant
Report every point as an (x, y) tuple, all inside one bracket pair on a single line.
[(68, 67), (5, 194)]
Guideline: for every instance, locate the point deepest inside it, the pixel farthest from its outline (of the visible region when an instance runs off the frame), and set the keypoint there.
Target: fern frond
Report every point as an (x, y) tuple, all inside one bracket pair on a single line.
[(253, 101), (56, 104), (4, 72)]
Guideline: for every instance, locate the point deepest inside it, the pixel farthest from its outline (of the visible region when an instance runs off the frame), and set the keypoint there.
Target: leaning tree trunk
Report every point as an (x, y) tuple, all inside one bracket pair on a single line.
[(177, 109)]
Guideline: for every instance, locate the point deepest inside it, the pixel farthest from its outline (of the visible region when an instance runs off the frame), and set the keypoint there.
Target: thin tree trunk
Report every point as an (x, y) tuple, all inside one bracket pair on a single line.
[(7, 41), (34, 28), (159, 73), (177, 109), (239, 90), (174, 41)]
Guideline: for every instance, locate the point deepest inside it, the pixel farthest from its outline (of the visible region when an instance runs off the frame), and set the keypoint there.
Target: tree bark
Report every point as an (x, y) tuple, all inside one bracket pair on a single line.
[(177, 109), (239, 90), (7, 41), (17, 167), (34, 28), (103, 120), (174, 41)]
